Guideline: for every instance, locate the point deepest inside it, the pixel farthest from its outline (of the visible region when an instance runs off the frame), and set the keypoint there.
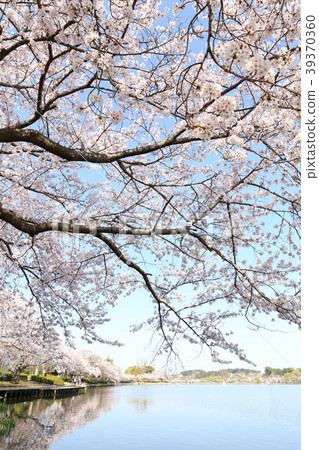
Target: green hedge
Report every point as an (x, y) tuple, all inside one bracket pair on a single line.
[(67, 379), (95, 381), (49, 379), (34, 377), (6, 376), (23, 376), (85, 380), (46, 380), (40, 379), (58, 381)]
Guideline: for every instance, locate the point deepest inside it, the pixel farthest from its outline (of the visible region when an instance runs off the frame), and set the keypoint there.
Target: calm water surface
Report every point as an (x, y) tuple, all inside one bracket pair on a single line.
[(172, 417)]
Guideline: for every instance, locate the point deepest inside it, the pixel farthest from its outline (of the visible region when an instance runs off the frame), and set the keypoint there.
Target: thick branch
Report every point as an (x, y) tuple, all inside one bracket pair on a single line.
[(36, 138), (33, 228)]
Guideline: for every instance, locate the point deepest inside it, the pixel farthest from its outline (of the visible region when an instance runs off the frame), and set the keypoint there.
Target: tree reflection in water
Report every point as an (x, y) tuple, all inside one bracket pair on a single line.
[(141, 404), (41, 422)]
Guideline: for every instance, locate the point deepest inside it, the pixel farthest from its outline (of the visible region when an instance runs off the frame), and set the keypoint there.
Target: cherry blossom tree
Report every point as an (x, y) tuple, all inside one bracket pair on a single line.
[(72, 362), (24, 339), (96, 366), (153, 147), (86, 364)]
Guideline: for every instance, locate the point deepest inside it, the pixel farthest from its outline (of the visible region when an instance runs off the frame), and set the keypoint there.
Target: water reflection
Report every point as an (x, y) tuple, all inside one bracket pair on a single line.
[(141, 404), (42, 421), (142, 417)]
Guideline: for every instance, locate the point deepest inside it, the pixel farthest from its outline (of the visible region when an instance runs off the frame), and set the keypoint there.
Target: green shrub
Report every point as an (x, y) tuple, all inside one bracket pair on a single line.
[(23, 376), (49, 379), (139, 370), (6, 376), (34, 377), (41, 379), (58, 381)]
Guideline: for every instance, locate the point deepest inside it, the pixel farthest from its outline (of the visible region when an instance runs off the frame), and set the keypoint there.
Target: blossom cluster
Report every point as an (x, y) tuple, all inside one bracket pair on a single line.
[(116, 116), (240, 54), (251, 25), (224, 106), (204, 125), (211, 90), (240, 154), (258, 66), (90, 37), (235, 156), (128, 13), (235, 51)]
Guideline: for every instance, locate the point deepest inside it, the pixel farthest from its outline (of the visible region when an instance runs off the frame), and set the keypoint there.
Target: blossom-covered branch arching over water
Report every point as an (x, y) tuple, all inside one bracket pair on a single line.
[(156, 148)]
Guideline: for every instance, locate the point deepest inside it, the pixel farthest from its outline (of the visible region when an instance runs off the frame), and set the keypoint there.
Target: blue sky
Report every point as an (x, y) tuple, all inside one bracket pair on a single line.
[(265, 348)]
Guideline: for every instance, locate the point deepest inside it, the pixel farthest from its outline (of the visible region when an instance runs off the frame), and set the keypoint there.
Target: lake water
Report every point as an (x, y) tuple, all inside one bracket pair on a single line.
[(162, 417)]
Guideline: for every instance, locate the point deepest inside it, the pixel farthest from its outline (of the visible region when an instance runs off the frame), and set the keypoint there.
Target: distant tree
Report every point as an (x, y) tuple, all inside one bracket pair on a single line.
[(133, 370), (277, 372), (148, 369), (267, 371), (139, 370), (296, 373)]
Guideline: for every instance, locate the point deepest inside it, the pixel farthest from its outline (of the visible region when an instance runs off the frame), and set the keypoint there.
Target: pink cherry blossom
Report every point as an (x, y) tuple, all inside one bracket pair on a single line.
[(151, 147)]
